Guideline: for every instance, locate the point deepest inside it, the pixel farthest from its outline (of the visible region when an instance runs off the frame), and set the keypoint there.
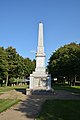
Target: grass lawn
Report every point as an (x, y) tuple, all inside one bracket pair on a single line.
[(75, 89), (7, 103), (8, 88), (60, 110)]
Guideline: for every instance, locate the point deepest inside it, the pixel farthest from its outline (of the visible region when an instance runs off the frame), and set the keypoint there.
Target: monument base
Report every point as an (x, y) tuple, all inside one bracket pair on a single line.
[(40, 81), (39, 92)]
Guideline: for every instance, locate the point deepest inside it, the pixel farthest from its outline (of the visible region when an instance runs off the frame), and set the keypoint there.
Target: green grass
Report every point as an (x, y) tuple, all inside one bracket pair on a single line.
[(75, 89), (60, 110), (7, 103), (8, 88), (4, 89)]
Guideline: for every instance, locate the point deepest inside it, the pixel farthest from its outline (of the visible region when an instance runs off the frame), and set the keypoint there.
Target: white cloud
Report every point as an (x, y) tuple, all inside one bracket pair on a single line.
[(32, 51)]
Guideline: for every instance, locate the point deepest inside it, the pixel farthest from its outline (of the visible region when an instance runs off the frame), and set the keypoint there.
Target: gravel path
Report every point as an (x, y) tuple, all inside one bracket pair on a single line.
[(30, 106)]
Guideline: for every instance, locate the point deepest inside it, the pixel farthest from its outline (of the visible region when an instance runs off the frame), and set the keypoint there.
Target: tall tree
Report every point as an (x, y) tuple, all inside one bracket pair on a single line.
[(12, 61), (29, 66), (65, 62), (12, 65), (3, 66)]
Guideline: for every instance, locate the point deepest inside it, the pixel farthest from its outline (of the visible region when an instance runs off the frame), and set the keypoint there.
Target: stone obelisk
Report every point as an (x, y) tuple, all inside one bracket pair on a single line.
[(40, 79), (40, 55)]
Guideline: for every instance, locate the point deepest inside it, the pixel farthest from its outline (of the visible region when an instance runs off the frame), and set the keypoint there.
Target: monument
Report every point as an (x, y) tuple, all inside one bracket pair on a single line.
[(40, 79)]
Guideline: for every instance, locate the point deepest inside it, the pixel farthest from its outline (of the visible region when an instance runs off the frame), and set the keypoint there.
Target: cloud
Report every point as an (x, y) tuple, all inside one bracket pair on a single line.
[(32, 51)]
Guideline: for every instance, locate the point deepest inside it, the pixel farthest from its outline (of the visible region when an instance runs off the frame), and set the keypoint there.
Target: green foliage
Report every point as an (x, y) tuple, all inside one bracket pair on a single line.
[(15, 80), (12, 61), (3, 65), (12, 65), (65, 62), (11, 80), (28, 66)]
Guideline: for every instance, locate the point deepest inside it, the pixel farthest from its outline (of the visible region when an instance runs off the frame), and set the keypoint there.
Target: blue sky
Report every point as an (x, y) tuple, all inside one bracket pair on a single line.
[(19, 21)]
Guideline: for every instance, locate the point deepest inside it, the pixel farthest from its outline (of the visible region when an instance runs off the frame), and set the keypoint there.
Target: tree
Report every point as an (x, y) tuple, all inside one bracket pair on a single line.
[(12, 58), (12, 65), (3, 66), (29, 66), (65, 62), (20, 67)]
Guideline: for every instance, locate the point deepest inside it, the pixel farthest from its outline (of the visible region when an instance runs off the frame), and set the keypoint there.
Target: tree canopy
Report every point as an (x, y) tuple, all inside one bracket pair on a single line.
[(65, 62), (12, 65)]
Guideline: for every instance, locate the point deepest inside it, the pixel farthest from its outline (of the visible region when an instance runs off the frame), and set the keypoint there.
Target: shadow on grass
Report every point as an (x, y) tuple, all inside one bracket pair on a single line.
[(74, 89), (22, 90), (60, 110), (31, 107)]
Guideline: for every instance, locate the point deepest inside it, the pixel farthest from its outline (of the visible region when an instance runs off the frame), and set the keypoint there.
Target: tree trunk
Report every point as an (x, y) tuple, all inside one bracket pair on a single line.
[(6, 80), (74, 80), (1, 83), (71, 81)]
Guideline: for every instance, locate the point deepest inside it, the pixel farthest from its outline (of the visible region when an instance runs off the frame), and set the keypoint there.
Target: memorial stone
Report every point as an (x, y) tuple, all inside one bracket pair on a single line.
[(40, 79)]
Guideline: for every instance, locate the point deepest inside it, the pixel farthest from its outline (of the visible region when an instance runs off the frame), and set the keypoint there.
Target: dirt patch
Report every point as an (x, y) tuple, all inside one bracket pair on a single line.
[(13, 94)]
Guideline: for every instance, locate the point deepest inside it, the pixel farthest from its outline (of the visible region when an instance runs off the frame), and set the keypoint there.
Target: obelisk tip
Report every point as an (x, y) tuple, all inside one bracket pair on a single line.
[(40, 21)]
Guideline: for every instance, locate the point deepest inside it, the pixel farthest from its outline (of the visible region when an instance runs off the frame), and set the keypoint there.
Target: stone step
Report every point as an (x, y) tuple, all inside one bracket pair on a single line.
[(42, 92)]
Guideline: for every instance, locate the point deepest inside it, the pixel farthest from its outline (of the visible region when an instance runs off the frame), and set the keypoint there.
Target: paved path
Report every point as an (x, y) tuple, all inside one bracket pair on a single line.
[(30, 106)]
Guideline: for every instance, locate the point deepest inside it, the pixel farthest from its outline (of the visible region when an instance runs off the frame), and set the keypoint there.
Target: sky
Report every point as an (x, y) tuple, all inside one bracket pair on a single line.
[(19, 20)]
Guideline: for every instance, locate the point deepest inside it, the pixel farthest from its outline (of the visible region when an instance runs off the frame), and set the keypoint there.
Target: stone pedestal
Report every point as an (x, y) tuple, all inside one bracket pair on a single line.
[(40, 81)]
